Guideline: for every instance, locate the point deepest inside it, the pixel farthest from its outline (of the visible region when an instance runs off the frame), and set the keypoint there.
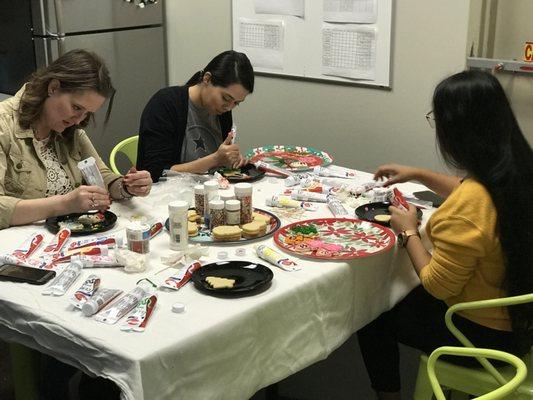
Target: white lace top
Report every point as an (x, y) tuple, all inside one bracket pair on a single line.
[(57, 181)]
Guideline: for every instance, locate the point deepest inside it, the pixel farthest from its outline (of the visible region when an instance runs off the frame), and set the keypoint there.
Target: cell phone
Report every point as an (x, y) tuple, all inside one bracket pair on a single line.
[(17, 273), (428, 195)]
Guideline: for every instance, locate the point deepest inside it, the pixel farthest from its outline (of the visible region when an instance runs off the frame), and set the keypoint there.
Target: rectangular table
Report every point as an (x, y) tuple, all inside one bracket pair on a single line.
[(220, 348)]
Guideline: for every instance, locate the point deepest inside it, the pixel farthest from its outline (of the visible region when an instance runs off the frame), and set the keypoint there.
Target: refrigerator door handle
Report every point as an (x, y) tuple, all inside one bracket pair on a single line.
[(60, 34)]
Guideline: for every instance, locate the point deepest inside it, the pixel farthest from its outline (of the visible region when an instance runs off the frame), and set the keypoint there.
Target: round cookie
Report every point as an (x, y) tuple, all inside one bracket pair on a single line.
[(192, 228), (382, 218)]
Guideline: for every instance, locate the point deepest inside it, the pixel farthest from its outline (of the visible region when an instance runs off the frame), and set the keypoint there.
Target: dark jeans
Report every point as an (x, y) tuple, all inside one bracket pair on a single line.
[(55, 377), (418, 321)]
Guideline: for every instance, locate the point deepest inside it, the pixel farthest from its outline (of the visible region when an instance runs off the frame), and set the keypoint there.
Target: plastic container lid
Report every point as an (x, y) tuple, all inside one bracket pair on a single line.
[(178, 307), (178, 205), (243, 189), (226, 195), (216, 205), (199, 189), (211, 185), (233, 205)]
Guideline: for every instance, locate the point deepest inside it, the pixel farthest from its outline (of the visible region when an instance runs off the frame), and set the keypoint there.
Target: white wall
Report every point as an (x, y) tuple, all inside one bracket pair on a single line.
[(361, 127)]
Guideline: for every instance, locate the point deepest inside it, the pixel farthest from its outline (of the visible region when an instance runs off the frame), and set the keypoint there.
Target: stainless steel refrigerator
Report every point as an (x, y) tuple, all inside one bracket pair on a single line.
[(129, 35)]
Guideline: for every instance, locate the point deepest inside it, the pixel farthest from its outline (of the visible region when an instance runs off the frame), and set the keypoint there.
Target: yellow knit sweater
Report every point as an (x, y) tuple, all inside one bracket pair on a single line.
[(467, 261)]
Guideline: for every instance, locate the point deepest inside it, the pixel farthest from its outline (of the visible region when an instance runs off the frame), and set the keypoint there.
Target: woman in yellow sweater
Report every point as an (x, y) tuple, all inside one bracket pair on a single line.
[(482, 235)]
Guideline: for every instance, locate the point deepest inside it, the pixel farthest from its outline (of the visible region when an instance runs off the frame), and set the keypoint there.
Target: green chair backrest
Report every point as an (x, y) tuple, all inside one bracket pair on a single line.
[(501, 392), (129, 148)]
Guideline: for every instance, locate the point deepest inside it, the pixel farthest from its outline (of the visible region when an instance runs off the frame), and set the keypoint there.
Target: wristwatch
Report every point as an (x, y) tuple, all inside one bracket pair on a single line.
[(403, 236)]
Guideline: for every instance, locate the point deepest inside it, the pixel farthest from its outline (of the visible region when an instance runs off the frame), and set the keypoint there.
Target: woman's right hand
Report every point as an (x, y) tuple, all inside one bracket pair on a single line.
[(228, 154), (85, 198), (395, 173)]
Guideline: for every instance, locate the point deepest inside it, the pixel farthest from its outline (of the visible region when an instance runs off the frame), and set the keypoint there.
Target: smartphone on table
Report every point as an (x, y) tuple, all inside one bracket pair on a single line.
[(428, 195), (17, 273)]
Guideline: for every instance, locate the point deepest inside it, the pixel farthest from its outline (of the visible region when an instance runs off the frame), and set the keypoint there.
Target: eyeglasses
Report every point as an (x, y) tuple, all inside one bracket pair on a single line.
[(431, 119)]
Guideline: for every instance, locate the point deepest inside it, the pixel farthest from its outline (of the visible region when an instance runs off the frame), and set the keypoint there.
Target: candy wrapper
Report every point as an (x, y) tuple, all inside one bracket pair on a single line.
[(176, 282), (275, 258), (136, 321)]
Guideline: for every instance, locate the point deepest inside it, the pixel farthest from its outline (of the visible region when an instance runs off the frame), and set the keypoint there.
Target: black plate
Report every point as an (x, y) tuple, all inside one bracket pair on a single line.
[(368, 211), (249, 174), (247, 279), (52, 224)]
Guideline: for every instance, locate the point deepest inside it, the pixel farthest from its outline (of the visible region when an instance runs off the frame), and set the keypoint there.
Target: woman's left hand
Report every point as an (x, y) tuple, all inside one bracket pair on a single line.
[(138, 183), (402, 220)]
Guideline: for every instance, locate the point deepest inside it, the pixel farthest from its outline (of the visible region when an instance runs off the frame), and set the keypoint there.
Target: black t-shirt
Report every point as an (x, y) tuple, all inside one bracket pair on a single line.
[(162, 129)]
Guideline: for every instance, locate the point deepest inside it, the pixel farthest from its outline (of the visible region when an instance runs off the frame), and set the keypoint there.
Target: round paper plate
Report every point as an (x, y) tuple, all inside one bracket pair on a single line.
[(335, 238), (204, 234), (369, 211), (71, 221), (292, 158), (248, 277)]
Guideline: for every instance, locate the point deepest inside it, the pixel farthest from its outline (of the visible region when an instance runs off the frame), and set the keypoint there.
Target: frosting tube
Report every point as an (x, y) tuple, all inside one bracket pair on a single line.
[(109, 241), (91, 173), (66, 256), (321, 171), (396, 199), (138, 318), (116, 310), (155, 229), (271, 168), (99, 301), (86, 291), (275, 258), (175, 282), (29, 246), (287, 202), (90, 261), (309, 196), (64, 280), (57, 243), (336, 207)]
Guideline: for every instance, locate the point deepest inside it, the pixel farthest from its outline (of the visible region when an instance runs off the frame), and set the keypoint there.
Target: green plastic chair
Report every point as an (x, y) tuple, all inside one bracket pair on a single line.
[(474, 381), (128, 147), (500, 393)]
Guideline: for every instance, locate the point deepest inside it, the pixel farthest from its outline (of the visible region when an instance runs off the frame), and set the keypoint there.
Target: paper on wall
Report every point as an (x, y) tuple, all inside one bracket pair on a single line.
[(262, 41), (349, 51), (281, 7), (354, 11)]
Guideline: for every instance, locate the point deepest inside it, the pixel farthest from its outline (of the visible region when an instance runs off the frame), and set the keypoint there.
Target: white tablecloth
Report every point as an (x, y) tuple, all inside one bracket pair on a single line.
[(220, 348)]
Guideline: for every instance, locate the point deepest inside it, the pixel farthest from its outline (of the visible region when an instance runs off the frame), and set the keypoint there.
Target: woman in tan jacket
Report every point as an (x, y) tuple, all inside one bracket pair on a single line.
[(42, 141)]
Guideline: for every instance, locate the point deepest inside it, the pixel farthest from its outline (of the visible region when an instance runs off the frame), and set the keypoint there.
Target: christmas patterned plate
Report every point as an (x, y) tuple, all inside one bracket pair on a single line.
[(335, 238), (292, 158)]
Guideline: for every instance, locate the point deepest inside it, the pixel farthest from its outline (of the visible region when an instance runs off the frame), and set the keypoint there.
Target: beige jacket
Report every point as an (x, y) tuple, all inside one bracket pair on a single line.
[(22, 171)]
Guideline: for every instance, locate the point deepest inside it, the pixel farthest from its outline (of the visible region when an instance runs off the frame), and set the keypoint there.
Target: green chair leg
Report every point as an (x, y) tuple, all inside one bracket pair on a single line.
[(25, 369), (423, 389)]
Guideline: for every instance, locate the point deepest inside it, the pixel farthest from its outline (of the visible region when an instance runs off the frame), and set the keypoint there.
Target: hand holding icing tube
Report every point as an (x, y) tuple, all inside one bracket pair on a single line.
[(275, 258), (396, 199), (176, 282), (91, 173)]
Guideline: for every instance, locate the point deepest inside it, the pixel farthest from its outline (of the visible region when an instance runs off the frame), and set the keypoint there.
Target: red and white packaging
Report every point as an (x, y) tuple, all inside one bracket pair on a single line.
[(57, 243), (29, 246), (397, 200), (176, 282)]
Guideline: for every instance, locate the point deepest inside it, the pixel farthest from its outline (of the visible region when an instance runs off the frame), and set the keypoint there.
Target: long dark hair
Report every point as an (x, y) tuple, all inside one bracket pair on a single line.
[(76, 71), (478, 132), (228, 68)]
